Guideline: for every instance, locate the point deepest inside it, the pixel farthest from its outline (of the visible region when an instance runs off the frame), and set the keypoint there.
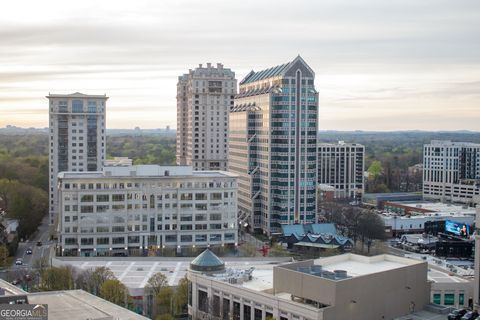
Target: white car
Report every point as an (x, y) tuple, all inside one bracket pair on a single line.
[(19, 262)]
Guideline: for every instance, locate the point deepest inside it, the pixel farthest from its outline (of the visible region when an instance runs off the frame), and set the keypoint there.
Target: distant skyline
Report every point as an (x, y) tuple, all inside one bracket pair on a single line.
[(380, 65)]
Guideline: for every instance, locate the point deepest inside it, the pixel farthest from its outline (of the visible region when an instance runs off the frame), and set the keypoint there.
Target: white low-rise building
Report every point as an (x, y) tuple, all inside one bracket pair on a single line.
[(416, 224), (144, 209), (339, 287)]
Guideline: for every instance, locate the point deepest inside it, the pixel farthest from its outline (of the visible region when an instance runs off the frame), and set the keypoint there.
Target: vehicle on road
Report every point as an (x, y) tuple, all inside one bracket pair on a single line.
[(456, 314), (470, 315), (15, 282), (18, 262), (39, 243), (28, 251)]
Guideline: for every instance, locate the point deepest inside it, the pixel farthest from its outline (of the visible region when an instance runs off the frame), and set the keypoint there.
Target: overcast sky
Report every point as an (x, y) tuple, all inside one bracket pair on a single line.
[(380, 65)]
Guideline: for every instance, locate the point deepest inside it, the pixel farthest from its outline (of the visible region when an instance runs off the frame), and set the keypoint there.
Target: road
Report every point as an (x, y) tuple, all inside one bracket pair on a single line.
[(42, 234)]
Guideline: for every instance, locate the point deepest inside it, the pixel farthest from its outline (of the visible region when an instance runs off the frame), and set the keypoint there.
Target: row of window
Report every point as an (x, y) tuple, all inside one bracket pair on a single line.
[(137, 227), (136, 239), (128, 185)]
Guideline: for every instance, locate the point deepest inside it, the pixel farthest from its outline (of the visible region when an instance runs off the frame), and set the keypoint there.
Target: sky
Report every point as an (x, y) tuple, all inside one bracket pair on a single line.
[(379, 65)]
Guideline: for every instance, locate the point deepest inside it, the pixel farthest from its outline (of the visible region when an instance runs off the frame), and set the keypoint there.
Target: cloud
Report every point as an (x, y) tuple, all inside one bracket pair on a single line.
[(369, 55)]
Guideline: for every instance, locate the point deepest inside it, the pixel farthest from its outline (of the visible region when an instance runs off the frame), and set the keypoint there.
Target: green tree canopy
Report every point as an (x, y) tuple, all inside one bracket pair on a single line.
[(181, 296), (115, 291), (53, 279)]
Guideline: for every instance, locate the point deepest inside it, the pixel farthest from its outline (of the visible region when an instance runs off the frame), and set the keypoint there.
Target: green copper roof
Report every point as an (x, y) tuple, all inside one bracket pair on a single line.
[(207, 261), (264, 74)]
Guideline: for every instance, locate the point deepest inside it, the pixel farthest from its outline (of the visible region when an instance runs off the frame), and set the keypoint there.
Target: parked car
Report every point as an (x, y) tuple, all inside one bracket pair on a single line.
[(19, 262), (39, 243), (470, 315), (456, 314), (28, 251)]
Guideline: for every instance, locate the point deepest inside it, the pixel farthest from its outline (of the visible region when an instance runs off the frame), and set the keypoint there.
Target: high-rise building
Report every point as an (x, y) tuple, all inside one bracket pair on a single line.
[(273, 146), (451, 171), (77, 137), (204, 98), (140, 209), (341, 166)]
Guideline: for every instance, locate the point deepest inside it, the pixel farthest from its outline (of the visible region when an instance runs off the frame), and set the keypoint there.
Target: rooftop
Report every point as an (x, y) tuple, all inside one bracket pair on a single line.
[(313, 228), (78, 304), (279, 70), (77, 95), (437, 207), (444, 143), (259, 277), (72, 304), (135, 272), (145, 171), (340, 144), (356, 265)]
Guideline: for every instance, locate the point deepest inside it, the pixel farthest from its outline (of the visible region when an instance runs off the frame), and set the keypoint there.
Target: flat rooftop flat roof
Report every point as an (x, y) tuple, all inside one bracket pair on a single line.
[(135, 272), (79, 305), (357, 265), (145, 171), (436, 206)]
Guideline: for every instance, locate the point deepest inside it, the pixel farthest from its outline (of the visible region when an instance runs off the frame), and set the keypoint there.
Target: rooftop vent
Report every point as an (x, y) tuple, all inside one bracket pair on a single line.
[(328, 275), (340, 274)]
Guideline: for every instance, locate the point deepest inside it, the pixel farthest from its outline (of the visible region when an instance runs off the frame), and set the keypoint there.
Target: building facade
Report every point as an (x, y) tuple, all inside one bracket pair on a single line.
[(341, 166), (141, 210), (273, 146), (339, 287), (451, 171), (77, 137), (476, 281), (204, 98)]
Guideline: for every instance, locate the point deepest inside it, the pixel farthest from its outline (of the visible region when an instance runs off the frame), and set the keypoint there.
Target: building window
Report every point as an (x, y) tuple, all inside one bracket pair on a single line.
[(77, 106), (449, 299), (461, 299)]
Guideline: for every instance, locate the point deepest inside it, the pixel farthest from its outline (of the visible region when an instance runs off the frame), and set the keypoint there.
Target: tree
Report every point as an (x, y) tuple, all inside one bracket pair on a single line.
[(91, 280), (165, 301), (115, 291), (154, 285), (371, 226), (165, 317), (156, 282), (375, 170), (53, 279), (181, 296)]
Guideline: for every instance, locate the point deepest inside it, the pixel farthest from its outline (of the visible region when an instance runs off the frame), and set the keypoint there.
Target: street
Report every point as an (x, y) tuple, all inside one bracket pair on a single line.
[(38, 252)]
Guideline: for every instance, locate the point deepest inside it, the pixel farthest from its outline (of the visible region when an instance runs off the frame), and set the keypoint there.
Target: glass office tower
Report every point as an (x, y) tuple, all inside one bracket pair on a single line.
[(273, 146)]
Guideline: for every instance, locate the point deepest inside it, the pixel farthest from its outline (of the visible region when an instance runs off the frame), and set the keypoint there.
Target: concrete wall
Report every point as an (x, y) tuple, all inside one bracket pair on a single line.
[(303, 285), (383, 295)]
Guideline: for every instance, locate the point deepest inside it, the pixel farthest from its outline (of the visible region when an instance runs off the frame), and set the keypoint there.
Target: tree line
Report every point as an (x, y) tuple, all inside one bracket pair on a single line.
[(357, 223)]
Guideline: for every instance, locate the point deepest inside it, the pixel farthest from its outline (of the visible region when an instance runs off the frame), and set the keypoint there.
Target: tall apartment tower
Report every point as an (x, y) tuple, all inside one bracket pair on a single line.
[(341, 166), (204, 98), (451, 171), (273, 146), (77, 137)]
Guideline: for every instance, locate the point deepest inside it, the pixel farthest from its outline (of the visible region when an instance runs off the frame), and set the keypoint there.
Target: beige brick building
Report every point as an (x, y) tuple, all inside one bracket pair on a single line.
[(204, 98)]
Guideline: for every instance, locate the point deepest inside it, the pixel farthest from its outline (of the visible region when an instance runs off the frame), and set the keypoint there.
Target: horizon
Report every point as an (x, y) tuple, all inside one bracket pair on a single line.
[(320, 130), (379, 67)]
